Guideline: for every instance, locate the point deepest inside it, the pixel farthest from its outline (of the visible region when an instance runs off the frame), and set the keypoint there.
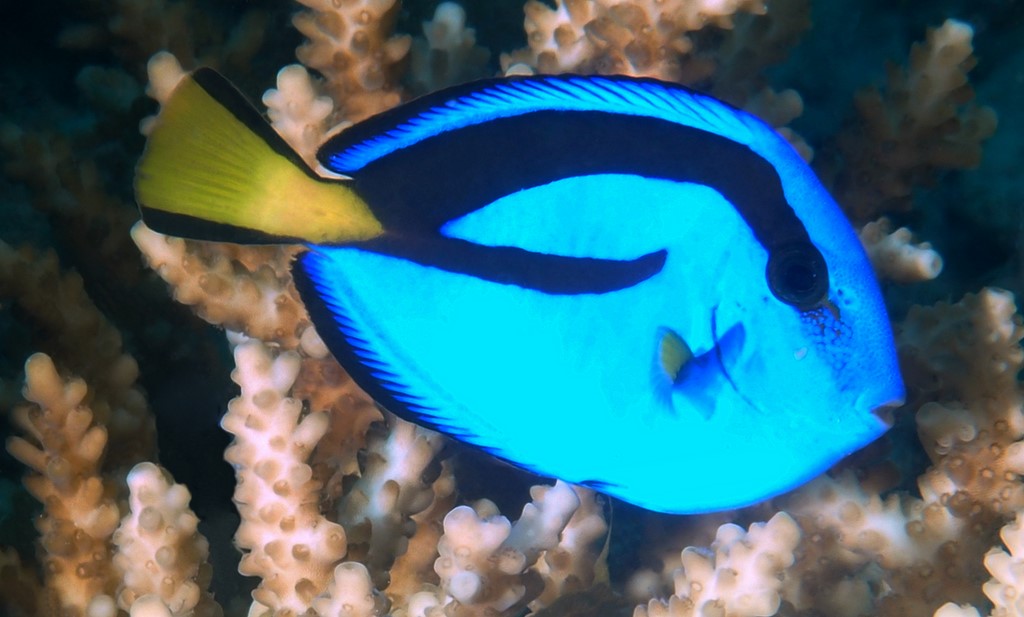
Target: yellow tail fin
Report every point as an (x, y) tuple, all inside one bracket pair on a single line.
[(213, 169)]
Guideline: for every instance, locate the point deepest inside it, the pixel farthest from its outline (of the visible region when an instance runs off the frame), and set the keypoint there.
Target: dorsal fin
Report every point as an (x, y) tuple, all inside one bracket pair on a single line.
[(482, 101)]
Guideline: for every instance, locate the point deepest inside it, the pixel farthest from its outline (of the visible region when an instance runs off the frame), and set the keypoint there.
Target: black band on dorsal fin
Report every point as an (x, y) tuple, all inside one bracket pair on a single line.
[(240, 107), (423, 186)]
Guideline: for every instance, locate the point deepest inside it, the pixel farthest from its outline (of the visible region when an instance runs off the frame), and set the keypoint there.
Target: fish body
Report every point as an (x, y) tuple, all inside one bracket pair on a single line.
[(614, 281)]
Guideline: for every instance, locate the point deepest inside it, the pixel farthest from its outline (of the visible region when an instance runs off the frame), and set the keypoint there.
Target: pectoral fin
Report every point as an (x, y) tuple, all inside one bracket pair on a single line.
[(673, 354), (696, 380)]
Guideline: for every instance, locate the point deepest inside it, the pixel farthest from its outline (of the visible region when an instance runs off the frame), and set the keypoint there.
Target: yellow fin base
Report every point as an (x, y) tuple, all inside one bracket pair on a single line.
[(673, 353)]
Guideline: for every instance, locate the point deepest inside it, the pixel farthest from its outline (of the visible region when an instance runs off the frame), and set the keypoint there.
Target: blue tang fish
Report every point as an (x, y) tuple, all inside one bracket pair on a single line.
[(614, 281)]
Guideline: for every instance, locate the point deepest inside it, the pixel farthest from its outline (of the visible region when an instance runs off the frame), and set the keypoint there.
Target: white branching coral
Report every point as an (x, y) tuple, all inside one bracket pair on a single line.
[(289, 544), (259, 300), (895, 256), (447, 54), (65, 454), (377, 510), (573, 564), (970, 353), (164, 73), (740, 577), (159, 548), (923, 121), (350, 593), (646, 37), (352, 45), (298, 112), (1006, 588), (484, 560)]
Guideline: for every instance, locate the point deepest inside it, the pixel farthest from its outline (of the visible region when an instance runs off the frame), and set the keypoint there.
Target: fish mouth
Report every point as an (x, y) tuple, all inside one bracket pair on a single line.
[(886, 413)]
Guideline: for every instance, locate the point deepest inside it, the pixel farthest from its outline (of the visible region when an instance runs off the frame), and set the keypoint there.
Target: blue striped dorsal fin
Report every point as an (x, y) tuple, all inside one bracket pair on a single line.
[(481, 102)]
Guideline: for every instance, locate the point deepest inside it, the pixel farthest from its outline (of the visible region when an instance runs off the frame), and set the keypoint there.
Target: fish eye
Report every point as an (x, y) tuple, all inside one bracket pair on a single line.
[(797, 275)]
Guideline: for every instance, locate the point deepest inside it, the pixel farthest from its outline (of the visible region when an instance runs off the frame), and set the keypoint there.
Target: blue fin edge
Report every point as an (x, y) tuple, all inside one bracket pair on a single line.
[(486, 100), (370, 371), (365, 367)]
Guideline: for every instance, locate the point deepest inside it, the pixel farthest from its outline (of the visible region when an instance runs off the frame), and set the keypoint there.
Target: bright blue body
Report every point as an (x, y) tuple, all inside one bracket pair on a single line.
[(571, 385)]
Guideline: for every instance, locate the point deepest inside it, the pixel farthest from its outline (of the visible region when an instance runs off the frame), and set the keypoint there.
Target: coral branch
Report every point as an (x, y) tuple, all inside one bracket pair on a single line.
[(257, 299), (80, 514), (447, 54), (484, 560), (161, 532), (647, 37), (289, 544), (1007, 569), (74, 330), (377, 510), (298, 112), (741, 577), (923, 122), (351, 44), (894, 255)]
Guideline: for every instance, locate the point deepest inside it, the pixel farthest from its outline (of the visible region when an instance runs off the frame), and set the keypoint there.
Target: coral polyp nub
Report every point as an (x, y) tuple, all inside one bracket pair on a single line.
[(165, 556), (85, 570), (306, 590), (266, 469), (150, 519), (374, 79), (851, 513), (265, 399), (563, 35), (360, 43), (271, 513), (53, 567), (915, 529)]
